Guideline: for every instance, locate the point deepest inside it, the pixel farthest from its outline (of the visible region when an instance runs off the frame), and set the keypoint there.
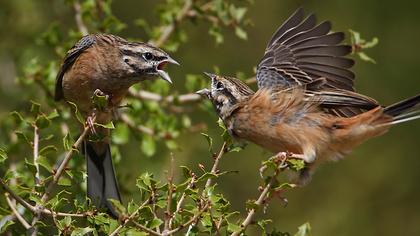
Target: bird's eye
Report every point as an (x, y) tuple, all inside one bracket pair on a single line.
[(147, 56), (219, 85)]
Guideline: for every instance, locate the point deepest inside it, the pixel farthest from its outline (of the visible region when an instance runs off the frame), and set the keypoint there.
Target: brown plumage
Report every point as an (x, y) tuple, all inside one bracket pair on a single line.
[(106, 65), (306, 103)]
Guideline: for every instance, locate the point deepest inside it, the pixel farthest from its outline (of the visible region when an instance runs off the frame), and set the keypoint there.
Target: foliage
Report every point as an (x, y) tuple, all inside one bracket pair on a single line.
[(40, 174)]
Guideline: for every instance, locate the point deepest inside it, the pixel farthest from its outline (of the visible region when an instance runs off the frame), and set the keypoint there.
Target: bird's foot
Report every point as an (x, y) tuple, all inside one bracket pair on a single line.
[(100, 100), (98, 92), (90, 123)]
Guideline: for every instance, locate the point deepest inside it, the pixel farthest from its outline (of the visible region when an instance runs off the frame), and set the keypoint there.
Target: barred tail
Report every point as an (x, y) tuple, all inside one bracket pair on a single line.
[(403, 111)]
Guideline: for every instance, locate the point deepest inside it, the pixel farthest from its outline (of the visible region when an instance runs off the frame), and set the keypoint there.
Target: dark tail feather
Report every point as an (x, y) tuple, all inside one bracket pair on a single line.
[(406, 110), (101, 182)]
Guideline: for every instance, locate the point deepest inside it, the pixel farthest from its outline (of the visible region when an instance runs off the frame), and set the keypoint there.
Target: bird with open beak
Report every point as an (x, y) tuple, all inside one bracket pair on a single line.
[(104, 64)]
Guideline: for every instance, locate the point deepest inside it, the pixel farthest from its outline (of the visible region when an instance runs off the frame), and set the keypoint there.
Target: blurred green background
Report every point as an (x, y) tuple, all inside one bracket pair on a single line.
[(374, 191)]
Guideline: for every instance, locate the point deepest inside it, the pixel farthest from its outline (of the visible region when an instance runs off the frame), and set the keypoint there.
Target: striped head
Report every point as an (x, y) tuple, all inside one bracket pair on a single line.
[(225, 93), (138, 60)]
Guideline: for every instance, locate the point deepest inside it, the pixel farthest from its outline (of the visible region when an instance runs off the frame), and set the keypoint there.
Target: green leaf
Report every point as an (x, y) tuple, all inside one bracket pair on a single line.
[(35, 108), (77, 113), (17, 117), (371, 43), (233, 227), (43, 161), (47, 149), (22, 137), (134, 232), (365, 57), (186, 171), (148, 145), (42, 121), (209, 141), (192, 230), (64, 181), (241, 33), (6, 225), (110, 125), (30, 166), (296, 164), (206, 176), (3, 156), (156, 222), (120, 134), (117, 206), (67, 142), (250, 204), (100, 101), (54, 114), (304, 230), (146, 213), (263, 224), (215, 31), (132, 207), (206, 221), (237, 13), (81, 231)]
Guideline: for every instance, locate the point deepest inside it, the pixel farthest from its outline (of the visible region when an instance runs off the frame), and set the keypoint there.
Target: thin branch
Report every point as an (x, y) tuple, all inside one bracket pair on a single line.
[(168, 215), (130, 218), (181, 99), (262, 199), (45, 197), (145, 229), (166, 31), (16, 213), (33, 209), (63, 164), (35, 154), (145, 95), (191, 221), (16, 197), (78, 18), (216, 164), (130, 123), (182, 198)]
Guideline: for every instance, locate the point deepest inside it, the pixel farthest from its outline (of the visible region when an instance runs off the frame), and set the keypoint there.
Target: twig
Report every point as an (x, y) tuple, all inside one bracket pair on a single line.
[(63, 164), (216, 164), (130, 123), (169, 29), (142, 227), (16, 213), (181, 199), (33, 209), (78, 18), (145, 95), (35, 154), (192, 220), (181, 99), (130, 217), (45, 197), (261, 199), (168, 215)]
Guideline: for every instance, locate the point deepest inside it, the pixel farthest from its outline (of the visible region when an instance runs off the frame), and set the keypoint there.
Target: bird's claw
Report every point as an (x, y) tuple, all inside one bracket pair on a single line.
[(91, 124)]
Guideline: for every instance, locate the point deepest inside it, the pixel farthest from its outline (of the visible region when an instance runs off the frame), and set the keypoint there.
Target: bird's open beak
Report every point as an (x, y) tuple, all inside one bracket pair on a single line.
[(163, 74), (204, 91), (210, 75)]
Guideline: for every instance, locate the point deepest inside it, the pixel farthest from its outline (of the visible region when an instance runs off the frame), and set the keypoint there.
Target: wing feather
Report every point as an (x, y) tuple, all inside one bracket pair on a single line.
[(71, 56)]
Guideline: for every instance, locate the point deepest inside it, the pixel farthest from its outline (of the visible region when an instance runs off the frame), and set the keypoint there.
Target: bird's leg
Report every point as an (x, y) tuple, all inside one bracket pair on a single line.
[(100, 102), (90, 122)]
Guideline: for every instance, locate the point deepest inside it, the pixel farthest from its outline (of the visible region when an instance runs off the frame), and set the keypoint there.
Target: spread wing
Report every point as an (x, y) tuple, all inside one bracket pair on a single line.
[(301, 52), (84, 43)]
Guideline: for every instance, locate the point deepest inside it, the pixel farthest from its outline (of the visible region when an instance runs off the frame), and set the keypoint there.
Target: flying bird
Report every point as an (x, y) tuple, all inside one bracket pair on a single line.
[(306, 103), (106, 65)]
